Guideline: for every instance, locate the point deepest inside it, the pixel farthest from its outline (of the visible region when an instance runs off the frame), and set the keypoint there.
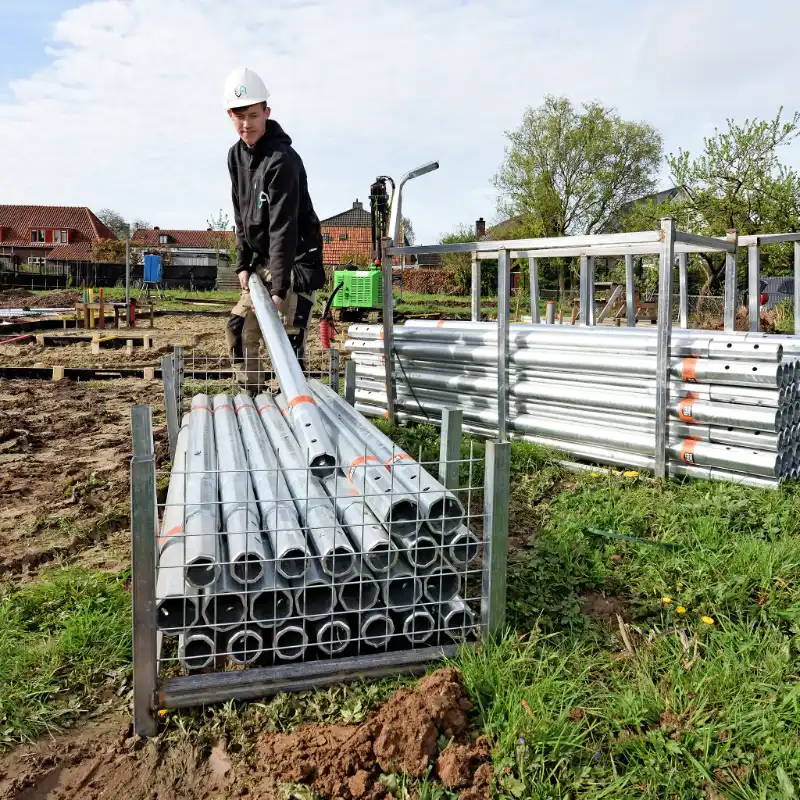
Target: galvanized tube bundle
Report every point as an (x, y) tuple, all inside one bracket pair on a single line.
[(734, 412), (264, 561)]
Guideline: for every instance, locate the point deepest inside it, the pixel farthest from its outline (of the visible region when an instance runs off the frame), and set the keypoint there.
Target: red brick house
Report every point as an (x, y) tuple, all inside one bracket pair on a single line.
[(347, 233), (48, 240)]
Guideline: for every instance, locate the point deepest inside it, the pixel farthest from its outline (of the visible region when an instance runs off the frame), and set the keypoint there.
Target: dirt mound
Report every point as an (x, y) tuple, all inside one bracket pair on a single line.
[(22, 298), (402, 737), (334, 761)]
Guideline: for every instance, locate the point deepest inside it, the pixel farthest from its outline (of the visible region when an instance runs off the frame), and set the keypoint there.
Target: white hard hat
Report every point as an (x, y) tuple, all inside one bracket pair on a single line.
[(244, 88)]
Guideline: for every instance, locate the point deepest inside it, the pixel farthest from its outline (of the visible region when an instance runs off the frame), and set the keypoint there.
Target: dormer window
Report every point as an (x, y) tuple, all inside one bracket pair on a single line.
[(163, 238)]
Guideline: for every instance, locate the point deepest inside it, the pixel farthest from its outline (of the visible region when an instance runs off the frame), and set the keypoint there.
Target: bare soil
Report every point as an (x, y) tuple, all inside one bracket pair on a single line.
[(403, 736), (64, 454), (22, 298)]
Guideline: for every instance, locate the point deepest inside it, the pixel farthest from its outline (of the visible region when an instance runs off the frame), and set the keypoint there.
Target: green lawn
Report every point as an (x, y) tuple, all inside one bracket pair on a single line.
[(698, 698)]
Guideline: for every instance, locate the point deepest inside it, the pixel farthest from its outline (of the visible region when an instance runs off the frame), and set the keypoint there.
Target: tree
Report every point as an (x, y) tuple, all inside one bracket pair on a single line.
[(460, 263), (569, 170), (221, 239), (408, 230), (116, 223), (737, 182)]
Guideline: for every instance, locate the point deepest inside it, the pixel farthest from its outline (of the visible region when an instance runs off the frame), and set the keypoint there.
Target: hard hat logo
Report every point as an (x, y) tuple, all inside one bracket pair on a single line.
[(244, 87), (240, 90), (262, 198)]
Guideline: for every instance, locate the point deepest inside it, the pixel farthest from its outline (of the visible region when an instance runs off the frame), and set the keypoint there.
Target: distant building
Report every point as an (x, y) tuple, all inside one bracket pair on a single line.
[(49, 241), (197, 258), (345, 234)]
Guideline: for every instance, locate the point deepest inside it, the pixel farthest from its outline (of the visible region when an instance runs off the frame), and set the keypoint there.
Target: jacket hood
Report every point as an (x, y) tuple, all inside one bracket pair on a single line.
[(272, 133)]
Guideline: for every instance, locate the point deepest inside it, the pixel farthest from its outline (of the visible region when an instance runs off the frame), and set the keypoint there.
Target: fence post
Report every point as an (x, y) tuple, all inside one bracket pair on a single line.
[(450, 448), (665, 267), (730, 285), (797, 288), (590, 290), (475, 289), (350, 381), (495, 534), (170, 404), (583, 303), (178, 371), (144, 520)]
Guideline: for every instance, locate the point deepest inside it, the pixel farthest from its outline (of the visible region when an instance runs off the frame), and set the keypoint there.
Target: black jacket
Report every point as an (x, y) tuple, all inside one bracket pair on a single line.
[(275, 220)]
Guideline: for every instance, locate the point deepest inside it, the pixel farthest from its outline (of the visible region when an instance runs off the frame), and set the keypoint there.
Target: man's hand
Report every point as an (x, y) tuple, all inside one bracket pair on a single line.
[(277, 301), (244, 277)]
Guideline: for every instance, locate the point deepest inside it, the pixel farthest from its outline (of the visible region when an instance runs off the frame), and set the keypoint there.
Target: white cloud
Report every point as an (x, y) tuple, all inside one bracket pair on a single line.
[(128, 113)]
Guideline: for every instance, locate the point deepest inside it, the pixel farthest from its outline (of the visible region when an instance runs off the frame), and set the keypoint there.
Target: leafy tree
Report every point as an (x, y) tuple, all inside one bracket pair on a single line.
[(116, 222), (140, 225), (221, 238), (737, 182), (408, 230), (569, 170), (461, 263)]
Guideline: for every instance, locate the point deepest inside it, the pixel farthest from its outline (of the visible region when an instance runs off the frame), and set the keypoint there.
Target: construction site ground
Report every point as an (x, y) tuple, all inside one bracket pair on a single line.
[(653, 647)]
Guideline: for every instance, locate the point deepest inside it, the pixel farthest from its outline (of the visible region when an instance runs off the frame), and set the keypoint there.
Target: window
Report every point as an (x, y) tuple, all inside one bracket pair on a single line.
[(37, 235), (35, 260), (64, 237), (342, 237), (57, 237), (163, 238), (327, 238)]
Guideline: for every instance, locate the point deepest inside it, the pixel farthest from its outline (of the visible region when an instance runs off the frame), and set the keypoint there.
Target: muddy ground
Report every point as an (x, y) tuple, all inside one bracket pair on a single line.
[(416, 730)]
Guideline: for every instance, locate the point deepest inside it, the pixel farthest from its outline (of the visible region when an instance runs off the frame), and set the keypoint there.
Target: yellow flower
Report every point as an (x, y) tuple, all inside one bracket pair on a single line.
[(666, 600), (162, 712), (631, 474), (595, 474), (681, 610), (707, 620)]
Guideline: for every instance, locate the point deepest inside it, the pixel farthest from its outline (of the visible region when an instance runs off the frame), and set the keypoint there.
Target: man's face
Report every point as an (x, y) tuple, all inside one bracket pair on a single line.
[(250, 122)]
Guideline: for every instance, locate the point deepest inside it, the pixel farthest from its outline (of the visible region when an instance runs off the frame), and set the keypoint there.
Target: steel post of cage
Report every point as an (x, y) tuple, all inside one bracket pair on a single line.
[(630, 292), (797, 288), (731, 285), (450, 447), (333, 366), (475, 289), (388, 327), (533, 268), (144, 525), (170, 401), (495, 526), (754, 286), (179, 370), (503, 329), (683, 290), (666, 260), (350, 381)]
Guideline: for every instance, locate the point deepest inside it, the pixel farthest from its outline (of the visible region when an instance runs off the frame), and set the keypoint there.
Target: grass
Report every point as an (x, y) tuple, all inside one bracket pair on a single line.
[(694, 692), (62, 641)]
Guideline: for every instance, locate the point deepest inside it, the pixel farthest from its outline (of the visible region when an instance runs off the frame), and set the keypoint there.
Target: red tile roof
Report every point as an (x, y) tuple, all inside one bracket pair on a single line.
[(179, 238), (18, 220), (80, 251)]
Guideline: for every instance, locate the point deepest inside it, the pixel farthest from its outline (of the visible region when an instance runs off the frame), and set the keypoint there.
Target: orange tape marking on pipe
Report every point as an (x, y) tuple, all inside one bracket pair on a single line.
[(689, 369), (202, 408), (357, 463), (296, 401), (685, 410), (397, 457), (381, 334), (219, 408), (440, 323), (687, 451), (171, 532)]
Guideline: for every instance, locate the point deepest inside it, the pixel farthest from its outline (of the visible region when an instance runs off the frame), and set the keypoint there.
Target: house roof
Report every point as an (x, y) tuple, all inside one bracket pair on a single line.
[(18, 220), (180, 238), (80, 251), (355, 217)]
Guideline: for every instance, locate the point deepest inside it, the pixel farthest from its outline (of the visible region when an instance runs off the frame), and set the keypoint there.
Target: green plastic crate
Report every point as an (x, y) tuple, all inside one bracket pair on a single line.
[(362, 289)]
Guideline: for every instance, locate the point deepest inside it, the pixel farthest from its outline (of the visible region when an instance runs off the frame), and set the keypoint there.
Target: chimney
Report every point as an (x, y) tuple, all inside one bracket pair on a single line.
[(358, 205), (156, 228), (209, 228), (480, 228)]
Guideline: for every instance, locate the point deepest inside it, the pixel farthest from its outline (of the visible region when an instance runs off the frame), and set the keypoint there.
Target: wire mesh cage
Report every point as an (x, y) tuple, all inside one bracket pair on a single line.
[(268, 567)]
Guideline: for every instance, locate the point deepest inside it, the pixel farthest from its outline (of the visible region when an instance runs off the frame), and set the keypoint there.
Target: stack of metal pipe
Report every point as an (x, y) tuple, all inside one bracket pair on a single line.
[(734, 402), (271, 553)]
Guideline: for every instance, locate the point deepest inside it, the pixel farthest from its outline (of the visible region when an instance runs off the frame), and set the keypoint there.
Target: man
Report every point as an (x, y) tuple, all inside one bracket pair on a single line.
[(277, 231)]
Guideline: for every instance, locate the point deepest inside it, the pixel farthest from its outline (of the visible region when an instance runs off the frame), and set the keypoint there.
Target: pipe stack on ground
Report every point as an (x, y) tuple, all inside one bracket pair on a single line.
[(734, 402), (265, 558)]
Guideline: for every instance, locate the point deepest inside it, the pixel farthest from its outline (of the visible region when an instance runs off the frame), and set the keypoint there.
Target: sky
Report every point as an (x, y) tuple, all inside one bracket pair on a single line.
[(118, 103)]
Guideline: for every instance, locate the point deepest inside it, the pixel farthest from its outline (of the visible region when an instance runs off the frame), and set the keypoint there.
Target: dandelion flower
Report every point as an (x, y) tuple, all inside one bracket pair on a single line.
[(707, 620), (666, 600), (681, 610), (631, 474)]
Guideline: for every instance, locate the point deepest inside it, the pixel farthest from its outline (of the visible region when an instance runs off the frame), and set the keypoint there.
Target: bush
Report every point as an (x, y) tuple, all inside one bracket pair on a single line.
[(429, 281)]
